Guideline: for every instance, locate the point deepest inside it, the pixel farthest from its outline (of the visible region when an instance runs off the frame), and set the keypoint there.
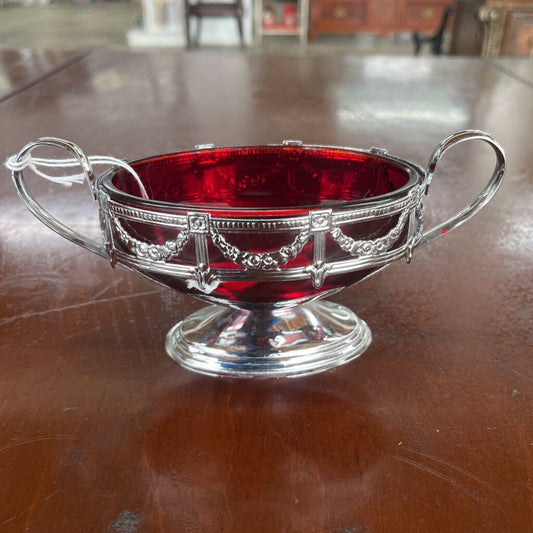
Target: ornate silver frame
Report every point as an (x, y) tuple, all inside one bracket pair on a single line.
[(341, 335)]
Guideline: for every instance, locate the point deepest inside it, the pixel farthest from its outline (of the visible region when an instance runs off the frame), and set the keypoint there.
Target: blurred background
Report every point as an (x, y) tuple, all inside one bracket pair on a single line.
[(486, 28)]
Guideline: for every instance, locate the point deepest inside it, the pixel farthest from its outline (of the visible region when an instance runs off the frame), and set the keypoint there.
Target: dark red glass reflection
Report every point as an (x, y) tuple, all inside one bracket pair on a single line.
[(264, 177)]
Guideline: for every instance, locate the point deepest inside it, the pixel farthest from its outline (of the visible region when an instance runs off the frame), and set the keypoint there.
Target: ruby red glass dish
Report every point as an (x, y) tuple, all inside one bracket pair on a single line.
[(262, 233)]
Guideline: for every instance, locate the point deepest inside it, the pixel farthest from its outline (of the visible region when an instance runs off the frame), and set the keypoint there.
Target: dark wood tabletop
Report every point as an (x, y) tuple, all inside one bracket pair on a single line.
[(429, 431), (20, 69)]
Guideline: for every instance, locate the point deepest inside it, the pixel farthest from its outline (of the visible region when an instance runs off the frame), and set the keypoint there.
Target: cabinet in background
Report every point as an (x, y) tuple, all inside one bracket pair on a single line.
[(379, 17), (493, 28)]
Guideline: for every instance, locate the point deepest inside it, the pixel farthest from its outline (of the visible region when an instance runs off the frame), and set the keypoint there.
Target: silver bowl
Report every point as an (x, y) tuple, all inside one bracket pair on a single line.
[(262, 233)]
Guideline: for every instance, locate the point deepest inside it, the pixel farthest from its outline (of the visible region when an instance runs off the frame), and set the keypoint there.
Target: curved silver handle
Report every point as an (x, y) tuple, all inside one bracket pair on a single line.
[(484, 196), (44, 216)]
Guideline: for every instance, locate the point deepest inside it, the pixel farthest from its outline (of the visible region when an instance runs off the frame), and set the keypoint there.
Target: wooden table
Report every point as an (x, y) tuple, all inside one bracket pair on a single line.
[(20, 69), (429, 431)]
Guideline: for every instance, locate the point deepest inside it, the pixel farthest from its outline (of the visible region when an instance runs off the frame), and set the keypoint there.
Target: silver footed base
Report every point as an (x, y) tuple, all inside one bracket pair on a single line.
[(259, 343)]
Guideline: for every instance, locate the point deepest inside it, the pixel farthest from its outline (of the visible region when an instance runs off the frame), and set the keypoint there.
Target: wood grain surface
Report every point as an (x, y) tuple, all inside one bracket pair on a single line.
[(429, 431), (20, 69)]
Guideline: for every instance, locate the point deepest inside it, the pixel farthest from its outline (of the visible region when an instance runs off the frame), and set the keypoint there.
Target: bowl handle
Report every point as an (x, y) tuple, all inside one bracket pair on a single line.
[(484, 196), (44, 216)]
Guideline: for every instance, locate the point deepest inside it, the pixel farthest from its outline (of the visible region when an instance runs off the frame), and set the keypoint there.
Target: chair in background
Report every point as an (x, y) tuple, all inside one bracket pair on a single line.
[(201, 10), (434, 40)]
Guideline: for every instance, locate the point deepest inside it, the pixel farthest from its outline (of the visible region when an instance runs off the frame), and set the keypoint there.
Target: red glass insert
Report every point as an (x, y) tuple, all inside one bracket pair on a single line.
[(264, 177)]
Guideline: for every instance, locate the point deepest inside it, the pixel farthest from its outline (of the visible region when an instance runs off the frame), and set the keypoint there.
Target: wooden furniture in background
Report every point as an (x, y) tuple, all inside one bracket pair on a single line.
[(493, 28), (200, 10), (380, 17), (508, 29)]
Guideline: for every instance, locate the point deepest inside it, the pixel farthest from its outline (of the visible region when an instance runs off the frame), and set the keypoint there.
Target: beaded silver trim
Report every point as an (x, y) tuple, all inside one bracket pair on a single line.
[(266, 224)]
